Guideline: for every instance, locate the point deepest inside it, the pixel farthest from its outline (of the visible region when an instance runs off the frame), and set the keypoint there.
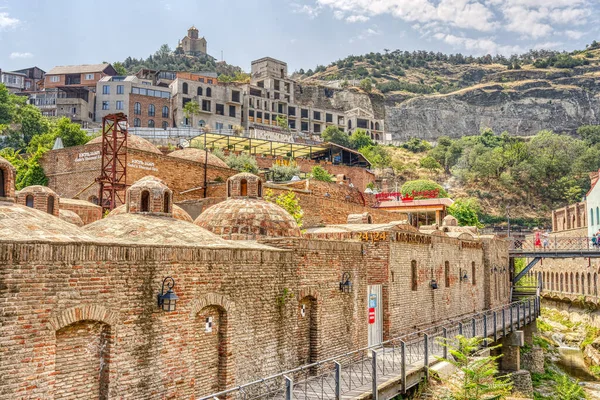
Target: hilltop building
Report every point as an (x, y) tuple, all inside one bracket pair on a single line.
[(191, 44)]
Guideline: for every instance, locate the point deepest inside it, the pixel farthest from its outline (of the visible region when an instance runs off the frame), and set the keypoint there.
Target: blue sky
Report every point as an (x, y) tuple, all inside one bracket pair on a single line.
[(303, 33)]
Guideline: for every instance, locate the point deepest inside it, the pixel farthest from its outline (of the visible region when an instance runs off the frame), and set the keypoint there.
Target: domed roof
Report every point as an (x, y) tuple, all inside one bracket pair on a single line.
[(248, 219), (71, 217), (449, 220), (154, 230), (193, 154), (26, 224), (37, 189), (178, 213), (133, 142)]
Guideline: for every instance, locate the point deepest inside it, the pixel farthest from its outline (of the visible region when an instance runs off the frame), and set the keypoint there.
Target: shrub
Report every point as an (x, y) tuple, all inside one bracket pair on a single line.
[(284, 172), (466, 211), (242, 163), (366, 85), (420, 186), (430, 163), (320, 174), (289, 202), (416, 145)]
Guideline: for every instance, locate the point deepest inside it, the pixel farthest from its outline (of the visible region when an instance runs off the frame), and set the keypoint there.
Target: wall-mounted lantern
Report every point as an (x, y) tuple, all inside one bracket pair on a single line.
[(433, 284), (169, 299), (346, 284)]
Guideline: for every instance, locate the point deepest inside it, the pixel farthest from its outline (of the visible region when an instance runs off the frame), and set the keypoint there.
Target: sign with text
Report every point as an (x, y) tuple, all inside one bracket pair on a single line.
[(89, 156), (139, 164), (372, 300), (371, 315)]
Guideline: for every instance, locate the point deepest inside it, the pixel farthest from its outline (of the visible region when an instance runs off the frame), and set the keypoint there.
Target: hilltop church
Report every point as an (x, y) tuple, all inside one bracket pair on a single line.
[(191, 44)]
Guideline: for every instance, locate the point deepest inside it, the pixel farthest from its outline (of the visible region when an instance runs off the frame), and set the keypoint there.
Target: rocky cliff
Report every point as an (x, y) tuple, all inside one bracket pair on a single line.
[(521, 102)]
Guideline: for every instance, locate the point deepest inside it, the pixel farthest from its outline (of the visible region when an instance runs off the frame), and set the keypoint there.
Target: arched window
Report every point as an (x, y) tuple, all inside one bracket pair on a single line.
[(473, 273), (199, 90), (591, 216), (150, 123), (243, 187), (137, 122), (145, 203), (165, 125), (376, 126), (2, 188), (349, 124), (165, 113), (597, 216), (151, 110), (185, 88), (166, 203), (572, 284), (582, 283), (137, 109), (447, 273), (208, 92), (413, 274), (50, 206), (29, 201), (259, 189)]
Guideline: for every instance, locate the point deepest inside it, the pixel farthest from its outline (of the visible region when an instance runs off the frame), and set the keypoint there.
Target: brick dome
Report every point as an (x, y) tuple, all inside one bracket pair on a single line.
[(245, 215), (178, 213), (133, 142), (193, 154), (149, 195), (39, 197), (8, 175), (71, 217)]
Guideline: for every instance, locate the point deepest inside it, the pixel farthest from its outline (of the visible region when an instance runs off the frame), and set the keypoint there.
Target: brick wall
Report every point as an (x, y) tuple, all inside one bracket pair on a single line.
[(88, 212), (144, 117)]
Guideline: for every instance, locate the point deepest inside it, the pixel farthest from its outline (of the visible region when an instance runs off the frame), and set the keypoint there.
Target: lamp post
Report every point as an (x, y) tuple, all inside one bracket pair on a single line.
[(167, 301)]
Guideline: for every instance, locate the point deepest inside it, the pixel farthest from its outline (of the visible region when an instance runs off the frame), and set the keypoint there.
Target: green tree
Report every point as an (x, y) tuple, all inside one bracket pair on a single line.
[(416, 145), (318, 173), (7, 106), (29, 170), (590, 133), (282, 122), (289, 202), (120, 68), (333, 134), (479, 372), (422, 185), (466, 211), (430, 163), (344, 84), (359, 139), (366, 85), (191, 109), (377, 155), (70, 133)]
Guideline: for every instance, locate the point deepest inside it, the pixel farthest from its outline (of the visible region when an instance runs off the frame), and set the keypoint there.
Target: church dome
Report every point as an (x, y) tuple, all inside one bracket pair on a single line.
[(39, 197), (149, 195), (198, 155), (245, 215), (133, 142), (71, 217)]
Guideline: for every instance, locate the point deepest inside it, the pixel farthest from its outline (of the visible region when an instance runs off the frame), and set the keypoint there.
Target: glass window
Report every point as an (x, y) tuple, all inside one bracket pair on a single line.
[(55, 78), (208, 92), (105, 105), (137, 122), (165, 112), (137, 108), (165, 125), (199, 92), (166, 95), (135, 90), (232, 111), (151, 110), (591, 216), (120, 89), (210, 81), (185, 88), (447, 273), (89, 77), (105, 89), (119, 105), (150, 123)]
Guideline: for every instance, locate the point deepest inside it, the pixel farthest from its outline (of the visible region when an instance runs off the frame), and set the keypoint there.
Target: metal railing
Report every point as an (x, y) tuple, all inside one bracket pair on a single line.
[(362, 370), (553, 244)]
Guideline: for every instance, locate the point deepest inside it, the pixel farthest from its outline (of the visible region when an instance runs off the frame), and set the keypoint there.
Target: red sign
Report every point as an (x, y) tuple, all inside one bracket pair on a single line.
[(371, 315), (387, 196)]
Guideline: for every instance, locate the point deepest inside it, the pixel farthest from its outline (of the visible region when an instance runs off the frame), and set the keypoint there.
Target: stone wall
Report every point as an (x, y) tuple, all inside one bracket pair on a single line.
[(88, 212)]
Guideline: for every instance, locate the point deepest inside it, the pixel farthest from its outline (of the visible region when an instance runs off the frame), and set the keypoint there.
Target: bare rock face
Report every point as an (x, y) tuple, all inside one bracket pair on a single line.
[(521, 103)]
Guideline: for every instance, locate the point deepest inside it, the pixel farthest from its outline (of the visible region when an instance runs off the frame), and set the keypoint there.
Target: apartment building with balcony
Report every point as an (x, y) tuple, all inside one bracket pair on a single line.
[(145, 104), (75, 88), (15, 82)]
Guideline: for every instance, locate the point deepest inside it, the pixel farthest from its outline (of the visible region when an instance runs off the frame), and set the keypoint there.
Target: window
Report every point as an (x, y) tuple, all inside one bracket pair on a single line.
[(137, 123), (413, 274), (185, 88), (292, 111), (220, 109), (243, 187), (165, 112), (55, 78), (232, 111), (105, 105), (206, 105), (209, 81), (591, 216), (105, 89), (349, 124), (151, 111), (317, 115), (199, 90), (166, 203), (208, 92), (267, 116), (119, 104), (137, 108), (89, 77), (292, 123), (218, 126), (165, 125), (304, 126), (235, 96), (447, 273), (597, 215), (303, 113), (120, 89), (2, 184), (259, 114), (201, 80), (145, 203), (317, 128), (328, 117), (251, 113), (29, 201), (50, 206), (150, 123), (473, 273)]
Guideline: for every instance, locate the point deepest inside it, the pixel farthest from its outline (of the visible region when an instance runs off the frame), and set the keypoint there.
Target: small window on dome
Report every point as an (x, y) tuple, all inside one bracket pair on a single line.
[(243, 187), (228, 188), (29, 201), (2, 188), (145, 203), (50, 206), (259, 189), (166, 203)]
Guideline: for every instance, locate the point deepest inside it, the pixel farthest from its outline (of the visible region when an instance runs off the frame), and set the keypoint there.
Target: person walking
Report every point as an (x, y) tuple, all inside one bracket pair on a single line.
[(537, 242), (546, 239)]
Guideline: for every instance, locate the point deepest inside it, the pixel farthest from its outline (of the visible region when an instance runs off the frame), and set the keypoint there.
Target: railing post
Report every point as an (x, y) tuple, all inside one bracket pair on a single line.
[(530, 315), (512, 326), (403, 365), (374, 367), (289, 388), (338, 380), (460, 328), (474, 327), (518, 316), (495, 326), (503, 322), (485, 331), (445, 331), (426, 359)]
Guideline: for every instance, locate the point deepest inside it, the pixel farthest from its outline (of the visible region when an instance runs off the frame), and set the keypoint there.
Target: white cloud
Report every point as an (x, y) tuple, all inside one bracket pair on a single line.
[(367, 33), (311, 11), (479, 46), (7, 22), (357, 18), (574, 34), (15, 55), (547, 45)]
